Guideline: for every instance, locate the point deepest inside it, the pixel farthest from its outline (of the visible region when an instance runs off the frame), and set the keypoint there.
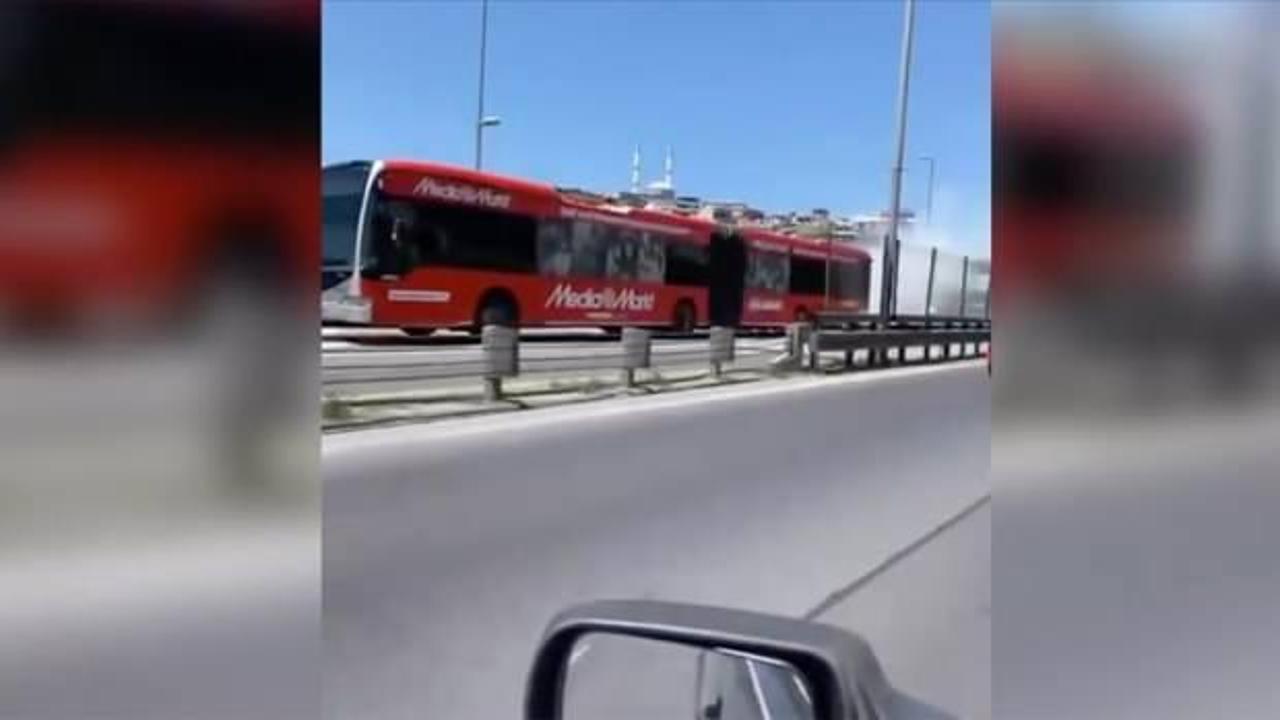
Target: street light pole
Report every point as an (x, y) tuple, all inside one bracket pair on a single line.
[(928, 209), (480, 119), (889, 281)]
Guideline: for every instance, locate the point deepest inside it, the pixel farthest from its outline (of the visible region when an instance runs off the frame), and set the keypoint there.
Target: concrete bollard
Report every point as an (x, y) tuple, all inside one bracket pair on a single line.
[(798, 339), (501, 349), (797, 343), (637, 346), (721, 351)]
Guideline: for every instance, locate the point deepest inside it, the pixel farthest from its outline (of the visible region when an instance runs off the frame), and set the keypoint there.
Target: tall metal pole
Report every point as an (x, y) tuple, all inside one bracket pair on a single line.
[(928, 208), (888, 286), (928, 293), (986, 304), (484, 32)]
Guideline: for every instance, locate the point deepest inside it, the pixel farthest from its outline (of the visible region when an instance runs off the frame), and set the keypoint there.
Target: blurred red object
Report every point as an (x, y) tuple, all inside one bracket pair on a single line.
[(1094, 159), (152, 152)]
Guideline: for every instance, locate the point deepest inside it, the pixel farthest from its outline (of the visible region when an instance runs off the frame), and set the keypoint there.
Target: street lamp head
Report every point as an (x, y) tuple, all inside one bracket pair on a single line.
[(490, 121)]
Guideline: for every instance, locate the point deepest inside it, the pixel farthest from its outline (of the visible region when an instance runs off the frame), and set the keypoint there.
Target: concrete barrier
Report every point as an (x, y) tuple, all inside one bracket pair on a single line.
[(637, 353), (501, 349), (721, 350), (798, 339)]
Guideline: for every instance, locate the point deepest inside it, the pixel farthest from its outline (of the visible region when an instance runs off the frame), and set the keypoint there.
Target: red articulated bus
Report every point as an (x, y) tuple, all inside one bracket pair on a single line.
[(1093, 162), (153, 154), (422, 246)]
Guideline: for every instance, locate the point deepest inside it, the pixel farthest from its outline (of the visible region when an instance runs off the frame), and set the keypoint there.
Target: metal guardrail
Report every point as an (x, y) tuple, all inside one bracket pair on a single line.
[(500, 355), (633, 350), (501, 350), (837, 320), (864, 331)]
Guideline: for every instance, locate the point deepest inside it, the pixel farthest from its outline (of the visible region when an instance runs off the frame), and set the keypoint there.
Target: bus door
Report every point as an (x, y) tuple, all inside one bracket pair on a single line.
[(728, 273)]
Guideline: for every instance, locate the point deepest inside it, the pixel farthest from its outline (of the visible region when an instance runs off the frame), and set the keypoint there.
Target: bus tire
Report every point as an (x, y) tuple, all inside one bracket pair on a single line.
[(497, 308), (684, 318)]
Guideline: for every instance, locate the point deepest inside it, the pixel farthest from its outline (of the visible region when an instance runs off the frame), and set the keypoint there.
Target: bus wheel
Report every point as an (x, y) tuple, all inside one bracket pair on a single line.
[(497, 309), (684, 319), (415, 332)]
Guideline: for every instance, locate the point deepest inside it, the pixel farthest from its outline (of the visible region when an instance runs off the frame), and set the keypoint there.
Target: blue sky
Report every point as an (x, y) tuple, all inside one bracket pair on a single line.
[(785, 105)]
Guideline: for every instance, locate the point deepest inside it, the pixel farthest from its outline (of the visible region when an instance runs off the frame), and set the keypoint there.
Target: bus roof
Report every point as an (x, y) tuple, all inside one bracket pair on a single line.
[(608, 212), (817, 247), (467, 175), (548, 198), (577, 203)]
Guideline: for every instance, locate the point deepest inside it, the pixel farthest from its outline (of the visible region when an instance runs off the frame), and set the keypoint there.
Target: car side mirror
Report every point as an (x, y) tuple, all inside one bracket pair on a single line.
[(642, 658)]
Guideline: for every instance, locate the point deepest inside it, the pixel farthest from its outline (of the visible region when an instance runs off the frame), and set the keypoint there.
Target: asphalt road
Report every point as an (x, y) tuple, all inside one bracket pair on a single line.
[(448, 547), (1138, 556), (928, 616)]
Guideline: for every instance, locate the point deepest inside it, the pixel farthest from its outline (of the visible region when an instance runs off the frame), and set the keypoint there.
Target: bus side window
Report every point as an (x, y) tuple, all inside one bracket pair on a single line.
[(752, 281), (651, 258), (686, 263), (851, 280), (396, 237), (767, 271), (620, 253), (555, 248), (588, 250), (448, 236), (808, 275)]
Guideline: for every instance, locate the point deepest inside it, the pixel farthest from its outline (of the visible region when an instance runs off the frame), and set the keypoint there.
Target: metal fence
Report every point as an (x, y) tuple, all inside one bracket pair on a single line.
[(957, 286)]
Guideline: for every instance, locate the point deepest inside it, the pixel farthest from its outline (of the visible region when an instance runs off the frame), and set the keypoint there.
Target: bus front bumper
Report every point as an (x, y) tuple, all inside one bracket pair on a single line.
[(348, 309)]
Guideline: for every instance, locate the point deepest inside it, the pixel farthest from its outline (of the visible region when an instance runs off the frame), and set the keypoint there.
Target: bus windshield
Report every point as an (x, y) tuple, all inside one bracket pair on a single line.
[(343, 190)]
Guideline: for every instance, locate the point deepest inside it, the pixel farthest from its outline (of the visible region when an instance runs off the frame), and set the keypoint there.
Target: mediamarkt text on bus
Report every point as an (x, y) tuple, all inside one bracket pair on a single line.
[(565, 296), (462, 193)]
